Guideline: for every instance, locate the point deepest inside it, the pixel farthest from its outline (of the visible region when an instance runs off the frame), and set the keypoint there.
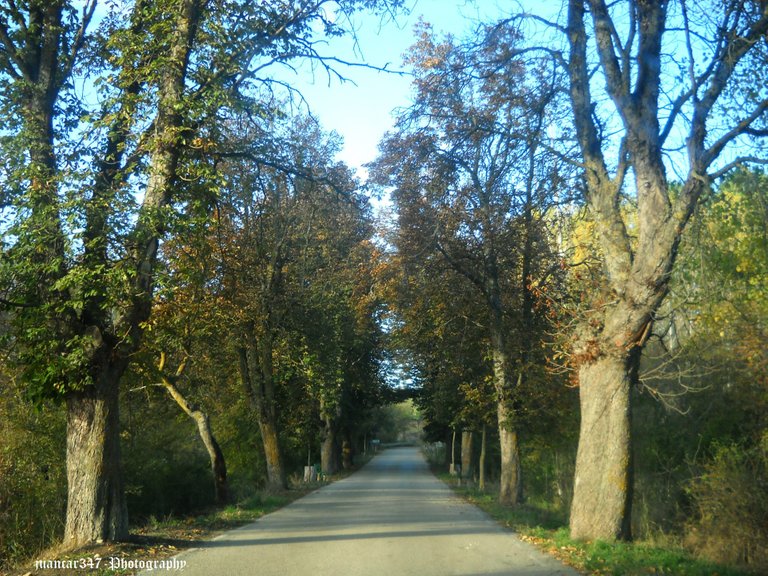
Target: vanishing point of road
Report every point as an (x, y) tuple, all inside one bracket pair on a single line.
[(391, 518)]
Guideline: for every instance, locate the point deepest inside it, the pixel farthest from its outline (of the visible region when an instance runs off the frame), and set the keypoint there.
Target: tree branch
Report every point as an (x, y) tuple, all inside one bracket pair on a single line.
[(88, 10), (738, 162), (742, 127)]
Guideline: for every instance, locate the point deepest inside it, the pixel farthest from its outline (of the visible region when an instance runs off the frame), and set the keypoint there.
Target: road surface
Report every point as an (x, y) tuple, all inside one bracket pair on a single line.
[(391, 518)]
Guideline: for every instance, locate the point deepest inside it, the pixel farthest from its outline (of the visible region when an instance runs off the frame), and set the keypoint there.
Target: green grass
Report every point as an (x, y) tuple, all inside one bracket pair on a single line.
[(547, 529), (159, 539)]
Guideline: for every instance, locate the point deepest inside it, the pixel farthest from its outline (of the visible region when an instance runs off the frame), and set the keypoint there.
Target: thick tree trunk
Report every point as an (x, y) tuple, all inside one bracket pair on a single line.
[(329, 450), (603, 482), (510, 487), (272, 454), (467, 439), (510, 480), (96, 507)]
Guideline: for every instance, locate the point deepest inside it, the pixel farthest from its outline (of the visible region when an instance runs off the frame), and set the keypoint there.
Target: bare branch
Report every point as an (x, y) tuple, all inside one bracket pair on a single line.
[(733, 50), (88, 10), (605, 35), (12, 53), (740, 161), (742, 127)]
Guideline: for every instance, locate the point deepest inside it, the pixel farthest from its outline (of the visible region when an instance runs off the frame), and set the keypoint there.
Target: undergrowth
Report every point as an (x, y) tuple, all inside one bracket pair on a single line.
[(547, 529)]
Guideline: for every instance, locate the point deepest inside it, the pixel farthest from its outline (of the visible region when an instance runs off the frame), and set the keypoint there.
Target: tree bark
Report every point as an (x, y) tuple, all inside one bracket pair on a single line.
[(603, 482), (272, 454), (329, 450), (256, 373), (481, 465), (216, 456), (347, 456), (467, 439), (510, 479), (96, 506)]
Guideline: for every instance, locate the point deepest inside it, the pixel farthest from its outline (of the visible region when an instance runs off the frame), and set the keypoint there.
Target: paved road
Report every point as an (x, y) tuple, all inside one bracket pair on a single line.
[(391, 518)]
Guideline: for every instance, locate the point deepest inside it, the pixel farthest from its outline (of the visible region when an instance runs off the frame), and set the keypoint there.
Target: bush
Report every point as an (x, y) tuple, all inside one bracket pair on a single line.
[(32, 478), (730, 500)]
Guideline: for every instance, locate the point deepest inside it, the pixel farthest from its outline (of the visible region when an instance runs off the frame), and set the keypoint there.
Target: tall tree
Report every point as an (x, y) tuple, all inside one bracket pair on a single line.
[(680, 87), (61, 290), (467, 169), (91, 184), (286, 234)]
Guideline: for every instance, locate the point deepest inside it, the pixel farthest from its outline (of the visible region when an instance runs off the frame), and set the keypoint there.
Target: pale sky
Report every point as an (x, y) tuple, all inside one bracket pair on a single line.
[(362, 113)]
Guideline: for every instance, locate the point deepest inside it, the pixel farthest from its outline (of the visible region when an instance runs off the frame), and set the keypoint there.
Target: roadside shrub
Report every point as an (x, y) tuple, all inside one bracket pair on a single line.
[(435, 453), (32, 479), (730, 499)]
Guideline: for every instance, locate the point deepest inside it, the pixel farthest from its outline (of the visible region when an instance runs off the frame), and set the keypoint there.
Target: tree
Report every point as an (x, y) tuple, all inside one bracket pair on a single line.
[(468, 170), (92, 182), (680, 87), (293, 273), (76, 344)]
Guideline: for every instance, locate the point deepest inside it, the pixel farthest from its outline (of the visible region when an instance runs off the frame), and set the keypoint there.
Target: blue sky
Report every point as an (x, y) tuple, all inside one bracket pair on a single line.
[(361, 112)]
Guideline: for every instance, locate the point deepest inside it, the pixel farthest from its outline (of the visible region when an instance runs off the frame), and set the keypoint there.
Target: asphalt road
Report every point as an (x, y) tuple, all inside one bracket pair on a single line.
[(391, 518)]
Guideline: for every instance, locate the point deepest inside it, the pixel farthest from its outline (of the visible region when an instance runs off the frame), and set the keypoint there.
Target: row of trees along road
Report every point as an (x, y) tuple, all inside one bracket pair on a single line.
[(473, 184), (167, 221), (114, 123), (664, 99)]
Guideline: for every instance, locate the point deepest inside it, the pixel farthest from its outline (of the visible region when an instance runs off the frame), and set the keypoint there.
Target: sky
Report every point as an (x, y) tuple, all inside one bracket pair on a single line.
[(360, 110)]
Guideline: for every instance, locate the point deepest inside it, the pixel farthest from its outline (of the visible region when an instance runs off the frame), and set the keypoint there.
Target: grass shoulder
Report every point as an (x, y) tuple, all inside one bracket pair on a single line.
[(162, 539), (547, 530)]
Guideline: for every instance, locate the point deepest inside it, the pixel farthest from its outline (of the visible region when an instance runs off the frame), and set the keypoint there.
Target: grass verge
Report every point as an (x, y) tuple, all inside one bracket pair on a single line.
[(161, 539), (547, 530), (157, 539)]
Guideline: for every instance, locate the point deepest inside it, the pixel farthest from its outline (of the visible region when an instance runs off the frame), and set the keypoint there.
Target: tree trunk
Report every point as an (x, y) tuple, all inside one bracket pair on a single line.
[(218, 465), (467, 438), (347, 456), (510, 480), (272, 454), (329, 450), (602, 497), (483, 440), (256, 374), (96, 507), (510, 487)]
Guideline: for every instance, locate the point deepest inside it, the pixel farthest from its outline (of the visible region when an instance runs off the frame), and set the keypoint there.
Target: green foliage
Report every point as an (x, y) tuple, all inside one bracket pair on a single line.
[(546, 529), (32, 477), (730, 507), (704, 379), (166, 468)]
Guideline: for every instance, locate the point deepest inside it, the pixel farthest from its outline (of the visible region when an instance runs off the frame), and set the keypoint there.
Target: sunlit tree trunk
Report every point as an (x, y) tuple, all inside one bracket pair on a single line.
[(467, 439), (329, 449), (203, 423), (96, 506), (510, 478), (637, 265), (256, 371), (603, 483)]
